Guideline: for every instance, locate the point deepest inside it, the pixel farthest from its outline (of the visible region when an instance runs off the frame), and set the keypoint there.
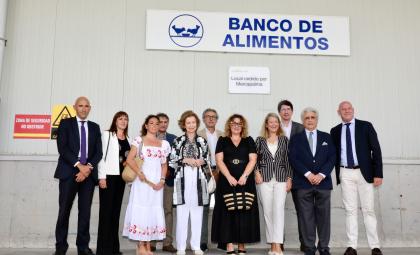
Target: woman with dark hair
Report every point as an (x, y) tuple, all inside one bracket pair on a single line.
[(189, 158), (235, 157), (115, 147), (144, 218)]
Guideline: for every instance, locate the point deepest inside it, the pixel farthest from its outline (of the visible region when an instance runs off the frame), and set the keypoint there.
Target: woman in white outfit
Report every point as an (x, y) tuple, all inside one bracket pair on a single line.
[(273, 177), (189, 158), (144, 218)]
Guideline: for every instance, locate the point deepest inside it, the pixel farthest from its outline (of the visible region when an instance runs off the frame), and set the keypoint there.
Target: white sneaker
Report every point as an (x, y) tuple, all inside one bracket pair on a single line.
[(180, 252), (198, 252)]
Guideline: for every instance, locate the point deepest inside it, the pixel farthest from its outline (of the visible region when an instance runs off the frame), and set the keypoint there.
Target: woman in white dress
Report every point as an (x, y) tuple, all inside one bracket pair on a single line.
[(144, 218)]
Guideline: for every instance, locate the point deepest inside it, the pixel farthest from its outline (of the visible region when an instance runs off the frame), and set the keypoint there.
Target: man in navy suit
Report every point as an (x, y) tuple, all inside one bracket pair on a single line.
[(312, 155), (359, 169), (80, 149)]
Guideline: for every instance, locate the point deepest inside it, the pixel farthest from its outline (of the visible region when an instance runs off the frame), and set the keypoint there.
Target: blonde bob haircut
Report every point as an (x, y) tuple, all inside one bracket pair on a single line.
[(244, 132), (184, 116), (264, 130)]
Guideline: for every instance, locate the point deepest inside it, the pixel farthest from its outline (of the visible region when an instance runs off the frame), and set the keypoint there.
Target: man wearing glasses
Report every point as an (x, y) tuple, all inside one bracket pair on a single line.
[(211, 134)]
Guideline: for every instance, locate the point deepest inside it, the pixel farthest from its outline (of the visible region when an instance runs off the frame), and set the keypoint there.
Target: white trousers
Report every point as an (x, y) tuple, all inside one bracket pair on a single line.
[(272, 196), (189, 211), (354, 186)]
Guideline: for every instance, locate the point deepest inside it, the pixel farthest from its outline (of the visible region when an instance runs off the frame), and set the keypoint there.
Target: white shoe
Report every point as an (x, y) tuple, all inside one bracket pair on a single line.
[(180, 252), (198, 252)]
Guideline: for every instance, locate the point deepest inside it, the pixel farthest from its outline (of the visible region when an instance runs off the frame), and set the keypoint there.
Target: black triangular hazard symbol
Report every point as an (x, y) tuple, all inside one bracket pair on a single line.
[(64, 114)]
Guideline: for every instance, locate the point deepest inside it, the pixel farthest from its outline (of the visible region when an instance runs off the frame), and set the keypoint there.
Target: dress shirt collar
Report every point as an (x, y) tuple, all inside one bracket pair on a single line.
[(352, 122), (79, 119)]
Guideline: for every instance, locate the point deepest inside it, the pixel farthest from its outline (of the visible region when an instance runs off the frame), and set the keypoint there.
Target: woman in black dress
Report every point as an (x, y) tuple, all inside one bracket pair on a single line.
[(236, 157)]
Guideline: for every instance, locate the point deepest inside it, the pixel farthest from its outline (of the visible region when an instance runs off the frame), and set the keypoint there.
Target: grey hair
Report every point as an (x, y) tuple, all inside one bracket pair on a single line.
[(309, 109), (210, 110)]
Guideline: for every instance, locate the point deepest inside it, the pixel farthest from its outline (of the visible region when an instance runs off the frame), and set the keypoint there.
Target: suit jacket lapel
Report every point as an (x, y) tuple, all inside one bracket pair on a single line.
[(76, 132), (305, 138), (357, 132), (319, 142), (90, 138)]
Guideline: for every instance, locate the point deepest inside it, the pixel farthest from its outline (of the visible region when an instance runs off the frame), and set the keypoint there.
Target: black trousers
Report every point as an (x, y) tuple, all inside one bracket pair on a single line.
[(110, 200), (294, 196), (315, 217), (68, 188)]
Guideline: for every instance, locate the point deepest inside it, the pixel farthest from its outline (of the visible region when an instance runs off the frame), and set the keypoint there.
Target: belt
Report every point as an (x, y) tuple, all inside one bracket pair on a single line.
[(236, 161), (354, 167)]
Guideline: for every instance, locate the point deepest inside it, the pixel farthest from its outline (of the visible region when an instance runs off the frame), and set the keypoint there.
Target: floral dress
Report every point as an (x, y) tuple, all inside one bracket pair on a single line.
[(144, 218)]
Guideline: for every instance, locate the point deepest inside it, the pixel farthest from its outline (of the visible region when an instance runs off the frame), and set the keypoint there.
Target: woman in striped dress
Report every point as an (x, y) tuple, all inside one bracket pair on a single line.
[(273, 175)]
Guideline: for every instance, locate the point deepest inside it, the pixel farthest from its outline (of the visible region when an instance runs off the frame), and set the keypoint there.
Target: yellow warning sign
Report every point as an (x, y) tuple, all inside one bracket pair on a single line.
[(59, 112)]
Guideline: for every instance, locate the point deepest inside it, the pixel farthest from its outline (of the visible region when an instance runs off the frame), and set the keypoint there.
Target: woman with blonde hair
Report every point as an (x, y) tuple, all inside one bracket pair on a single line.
[(273, 175), (235, 157)]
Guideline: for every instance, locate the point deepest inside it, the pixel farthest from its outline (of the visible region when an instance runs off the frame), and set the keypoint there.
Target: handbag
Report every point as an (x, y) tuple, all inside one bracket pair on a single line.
[(236, 201), (211, 183), (128, 174)]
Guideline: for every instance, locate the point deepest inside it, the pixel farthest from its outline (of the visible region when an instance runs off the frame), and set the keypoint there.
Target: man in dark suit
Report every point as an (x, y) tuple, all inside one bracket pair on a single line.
[(312, 155), (80, 149), (359, 169), (290, 128)]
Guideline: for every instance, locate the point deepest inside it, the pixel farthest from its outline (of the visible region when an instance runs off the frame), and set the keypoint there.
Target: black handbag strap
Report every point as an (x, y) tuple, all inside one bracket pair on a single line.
[(107, 146)]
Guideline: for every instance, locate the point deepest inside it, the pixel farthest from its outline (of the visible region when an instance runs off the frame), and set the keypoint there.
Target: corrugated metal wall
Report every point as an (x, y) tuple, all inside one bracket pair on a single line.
[(60, 49)]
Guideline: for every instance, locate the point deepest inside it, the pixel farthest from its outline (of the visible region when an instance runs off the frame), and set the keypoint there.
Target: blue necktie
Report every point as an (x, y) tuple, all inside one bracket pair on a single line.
[(350, 160), (83, 158)]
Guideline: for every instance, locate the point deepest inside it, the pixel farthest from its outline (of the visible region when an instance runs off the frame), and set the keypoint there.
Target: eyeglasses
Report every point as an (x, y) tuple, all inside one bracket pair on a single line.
[(236, 124), (211, 117)]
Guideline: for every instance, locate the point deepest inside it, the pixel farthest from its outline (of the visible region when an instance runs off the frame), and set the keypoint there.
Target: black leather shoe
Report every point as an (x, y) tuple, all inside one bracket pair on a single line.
[(350, 251), (324, 252), (59, 252), (169, 248), (117, 253), (376, 251), (86, 251), (204, 247)]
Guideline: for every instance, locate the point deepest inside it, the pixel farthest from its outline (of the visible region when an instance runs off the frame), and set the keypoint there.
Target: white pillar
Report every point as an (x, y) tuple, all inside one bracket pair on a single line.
[(3, 15)]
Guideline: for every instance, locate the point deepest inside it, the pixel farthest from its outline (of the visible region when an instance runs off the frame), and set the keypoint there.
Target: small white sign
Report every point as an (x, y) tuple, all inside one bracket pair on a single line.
[(249, 80)]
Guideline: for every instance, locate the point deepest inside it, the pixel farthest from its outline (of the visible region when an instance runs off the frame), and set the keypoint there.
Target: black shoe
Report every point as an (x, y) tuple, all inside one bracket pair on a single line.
[(221, 246), (59, 252), (324, 252), (169, 248), (86, 251), (153, 248), (350, 251), (204, 247), (376, 251), (282, 247), (117, 253)]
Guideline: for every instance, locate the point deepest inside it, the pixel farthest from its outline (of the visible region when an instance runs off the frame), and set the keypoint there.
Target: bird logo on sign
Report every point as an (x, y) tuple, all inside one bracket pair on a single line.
[(186, 30)]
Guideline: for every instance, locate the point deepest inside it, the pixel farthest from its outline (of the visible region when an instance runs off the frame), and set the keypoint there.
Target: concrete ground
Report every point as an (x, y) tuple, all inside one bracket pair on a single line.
[(335, 251)]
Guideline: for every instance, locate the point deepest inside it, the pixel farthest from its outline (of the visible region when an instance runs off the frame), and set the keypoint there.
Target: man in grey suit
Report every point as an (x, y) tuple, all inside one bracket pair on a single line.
[(290, 128), (211, 134)]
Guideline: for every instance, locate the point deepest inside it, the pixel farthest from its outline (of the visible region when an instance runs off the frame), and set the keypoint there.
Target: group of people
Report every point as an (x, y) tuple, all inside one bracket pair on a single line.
[(287, 156)]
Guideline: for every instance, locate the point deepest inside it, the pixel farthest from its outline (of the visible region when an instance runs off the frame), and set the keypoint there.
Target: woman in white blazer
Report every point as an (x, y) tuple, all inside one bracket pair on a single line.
[(115, 148)]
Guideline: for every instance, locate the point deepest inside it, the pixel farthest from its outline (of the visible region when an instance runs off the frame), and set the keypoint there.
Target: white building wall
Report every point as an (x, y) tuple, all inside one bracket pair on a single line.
[(60, 49)]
